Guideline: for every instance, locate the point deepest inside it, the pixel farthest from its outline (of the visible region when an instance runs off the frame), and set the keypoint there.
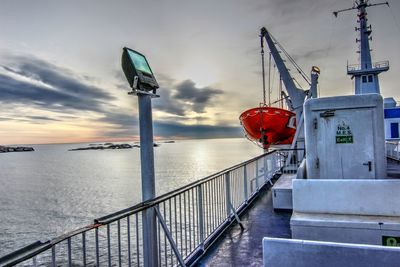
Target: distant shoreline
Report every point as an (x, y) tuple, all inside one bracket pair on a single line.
[(122, 141), (8, 149)]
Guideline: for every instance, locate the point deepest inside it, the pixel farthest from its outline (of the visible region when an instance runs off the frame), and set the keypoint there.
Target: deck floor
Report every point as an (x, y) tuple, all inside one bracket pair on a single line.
[(393, 169), (239, 247), (244, 247)]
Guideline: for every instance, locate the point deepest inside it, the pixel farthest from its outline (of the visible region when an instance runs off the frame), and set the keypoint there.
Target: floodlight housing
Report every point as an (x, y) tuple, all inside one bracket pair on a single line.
[(137, 71)]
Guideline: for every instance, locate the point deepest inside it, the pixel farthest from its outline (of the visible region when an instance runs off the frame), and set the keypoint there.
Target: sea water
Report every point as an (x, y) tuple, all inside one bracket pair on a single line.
[(51, 191)]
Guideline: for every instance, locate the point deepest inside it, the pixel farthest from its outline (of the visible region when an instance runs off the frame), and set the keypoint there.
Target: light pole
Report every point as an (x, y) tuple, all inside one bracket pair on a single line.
[(144, 85), (148, 179)]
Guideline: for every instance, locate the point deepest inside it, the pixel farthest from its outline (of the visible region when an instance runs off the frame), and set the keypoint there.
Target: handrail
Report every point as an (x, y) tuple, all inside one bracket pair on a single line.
[(377, 65), (188, 217), (393, 150), (146, 204)]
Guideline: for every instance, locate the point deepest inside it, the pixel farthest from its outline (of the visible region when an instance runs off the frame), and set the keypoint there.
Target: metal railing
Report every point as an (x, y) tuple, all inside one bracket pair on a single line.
[(375, 65), (189, 220), (393, 149)]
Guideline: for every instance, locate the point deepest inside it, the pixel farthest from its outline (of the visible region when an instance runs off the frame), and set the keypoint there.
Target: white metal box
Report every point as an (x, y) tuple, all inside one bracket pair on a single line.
[(374, 230), (345, 137), (282, 192)]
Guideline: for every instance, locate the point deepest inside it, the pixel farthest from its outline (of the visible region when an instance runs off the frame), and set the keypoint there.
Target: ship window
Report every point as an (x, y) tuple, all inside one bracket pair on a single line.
[(370, 78), (394, 130), (364, 78)]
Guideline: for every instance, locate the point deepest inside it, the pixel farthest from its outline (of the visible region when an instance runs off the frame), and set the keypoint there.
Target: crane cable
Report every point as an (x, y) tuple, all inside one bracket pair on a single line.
[(263, 69), (298, 68)]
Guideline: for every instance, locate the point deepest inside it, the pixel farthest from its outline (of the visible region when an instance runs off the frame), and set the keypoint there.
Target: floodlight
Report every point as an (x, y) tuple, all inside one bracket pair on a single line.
[(137, 71)]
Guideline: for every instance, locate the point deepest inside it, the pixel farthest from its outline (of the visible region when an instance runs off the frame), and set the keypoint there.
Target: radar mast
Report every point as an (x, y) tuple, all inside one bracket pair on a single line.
[(366, 72)]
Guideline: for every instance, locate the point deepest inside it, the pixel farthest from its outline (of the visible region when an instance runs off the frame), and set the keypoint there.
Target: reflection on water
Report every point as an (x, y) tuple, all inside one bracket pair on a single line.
[(52, 190)]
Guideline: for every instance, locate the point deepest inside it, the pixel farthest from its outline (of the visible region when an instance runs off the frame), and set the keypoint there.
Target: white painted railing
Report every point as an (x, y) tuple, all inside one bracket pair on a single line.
[(393, 149)]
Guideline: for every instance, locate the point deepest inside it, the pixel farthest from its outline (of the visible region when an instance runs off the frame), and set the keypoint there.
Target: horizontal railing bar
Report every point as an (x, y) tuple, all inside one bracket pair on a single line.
[(155, 201), (65, 236), (24, 253), (38, 246)]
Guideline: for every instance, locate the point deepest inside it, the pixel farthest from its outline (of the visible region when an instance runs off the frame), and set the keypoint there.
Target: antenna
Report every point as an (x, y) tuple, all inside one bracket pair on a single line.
[(366, 72), (359, 5)]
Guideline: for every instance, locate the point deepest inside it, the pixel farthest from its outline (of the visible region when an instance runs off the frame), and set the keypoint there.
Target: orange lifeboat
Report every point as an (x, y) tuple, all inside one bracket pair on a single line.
[(269, 126)]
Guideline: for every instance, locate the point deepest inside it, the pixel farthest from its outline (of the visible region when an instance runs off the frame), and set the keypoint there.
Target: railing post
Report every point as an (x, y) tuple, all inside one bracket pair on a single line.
[(228, 194), (201, 214), (274, 162), (257, 174), (245, 189), (391, 150), (53, 256), (265, 168)]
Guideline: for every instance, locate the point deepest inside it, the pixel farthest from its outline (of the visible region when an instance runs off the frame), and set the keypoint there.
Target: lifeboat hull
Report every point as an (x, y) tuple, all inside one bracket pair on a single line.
[(269, 126)]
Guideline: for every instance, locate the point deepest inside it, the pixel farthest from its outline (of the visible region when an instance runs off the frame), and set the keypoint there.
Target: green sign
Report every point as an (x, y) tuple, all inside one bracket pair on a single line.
[(344, 139), (344, 134), (391, 241)]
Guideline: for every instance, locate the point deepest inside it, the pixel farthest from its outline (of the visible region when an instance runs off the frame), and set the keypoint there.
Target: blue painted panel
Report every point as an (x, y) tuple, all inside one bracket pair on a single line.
[(394, 130), (392, 113)]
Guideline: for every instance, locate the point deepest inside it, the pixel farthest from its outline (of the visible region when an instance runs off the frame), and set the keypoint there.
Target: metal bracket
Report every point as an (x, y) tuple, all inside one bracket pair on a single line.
[(328, 113), (138, 92), (236, 216), (169, 236)]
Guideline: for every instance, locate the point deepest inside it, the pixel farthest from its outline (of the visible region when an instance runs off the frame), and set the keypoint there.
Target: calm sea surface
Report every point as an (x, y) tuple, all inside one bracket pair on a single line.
[(52, 190)]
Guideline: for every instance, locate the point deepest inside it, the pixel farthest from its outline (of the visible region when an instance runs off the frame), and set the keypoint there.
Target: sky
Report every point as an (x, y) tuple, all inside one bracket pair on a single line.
[(60, 63)]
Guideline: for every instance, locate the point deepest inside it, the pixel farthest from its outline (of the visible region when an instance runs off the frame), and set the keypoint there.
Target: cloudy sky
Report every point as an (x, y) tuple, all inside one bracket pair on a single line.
[(61, 80)]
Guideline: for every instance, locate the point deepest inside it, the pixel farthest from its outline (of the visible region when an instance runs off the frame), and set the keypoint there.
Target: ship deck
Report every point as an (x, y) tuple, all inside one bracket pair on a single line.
[(237, 247)]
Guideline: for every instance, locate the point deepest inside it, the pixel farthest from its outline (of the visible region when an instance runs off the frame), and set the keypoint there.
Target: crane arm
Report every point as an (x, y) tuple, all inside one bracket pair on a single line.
[(296, 95)]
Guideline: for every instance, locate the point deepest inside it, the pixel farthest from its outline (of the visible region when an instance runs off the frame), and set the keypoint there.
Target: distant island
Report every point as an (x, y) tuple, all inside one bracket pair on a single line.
[(107, 146), (5, 149)]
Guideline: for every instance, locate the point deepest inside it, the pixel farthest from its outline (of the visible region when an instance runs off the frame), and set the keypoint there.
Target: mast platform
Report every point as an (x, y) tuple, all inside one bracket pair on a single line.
[(377, 67)]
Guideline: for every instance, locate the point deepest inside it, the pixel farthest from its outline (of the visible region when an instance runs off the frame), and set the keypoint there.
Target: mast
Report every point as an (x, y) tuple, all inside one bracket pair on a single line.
[(366, 72)]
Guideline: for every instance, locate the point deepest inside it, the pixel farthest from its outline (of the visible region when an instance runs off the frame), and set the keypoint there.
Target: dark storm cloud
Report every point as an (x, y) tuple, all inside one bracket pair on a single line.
[(198, 97), (128, 125), (67, 92), (42, 118), (184, 97), (122, 124), (169, 104), (58, 77), (120, 119), (21, 92), (195, 131), (30, 119)]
